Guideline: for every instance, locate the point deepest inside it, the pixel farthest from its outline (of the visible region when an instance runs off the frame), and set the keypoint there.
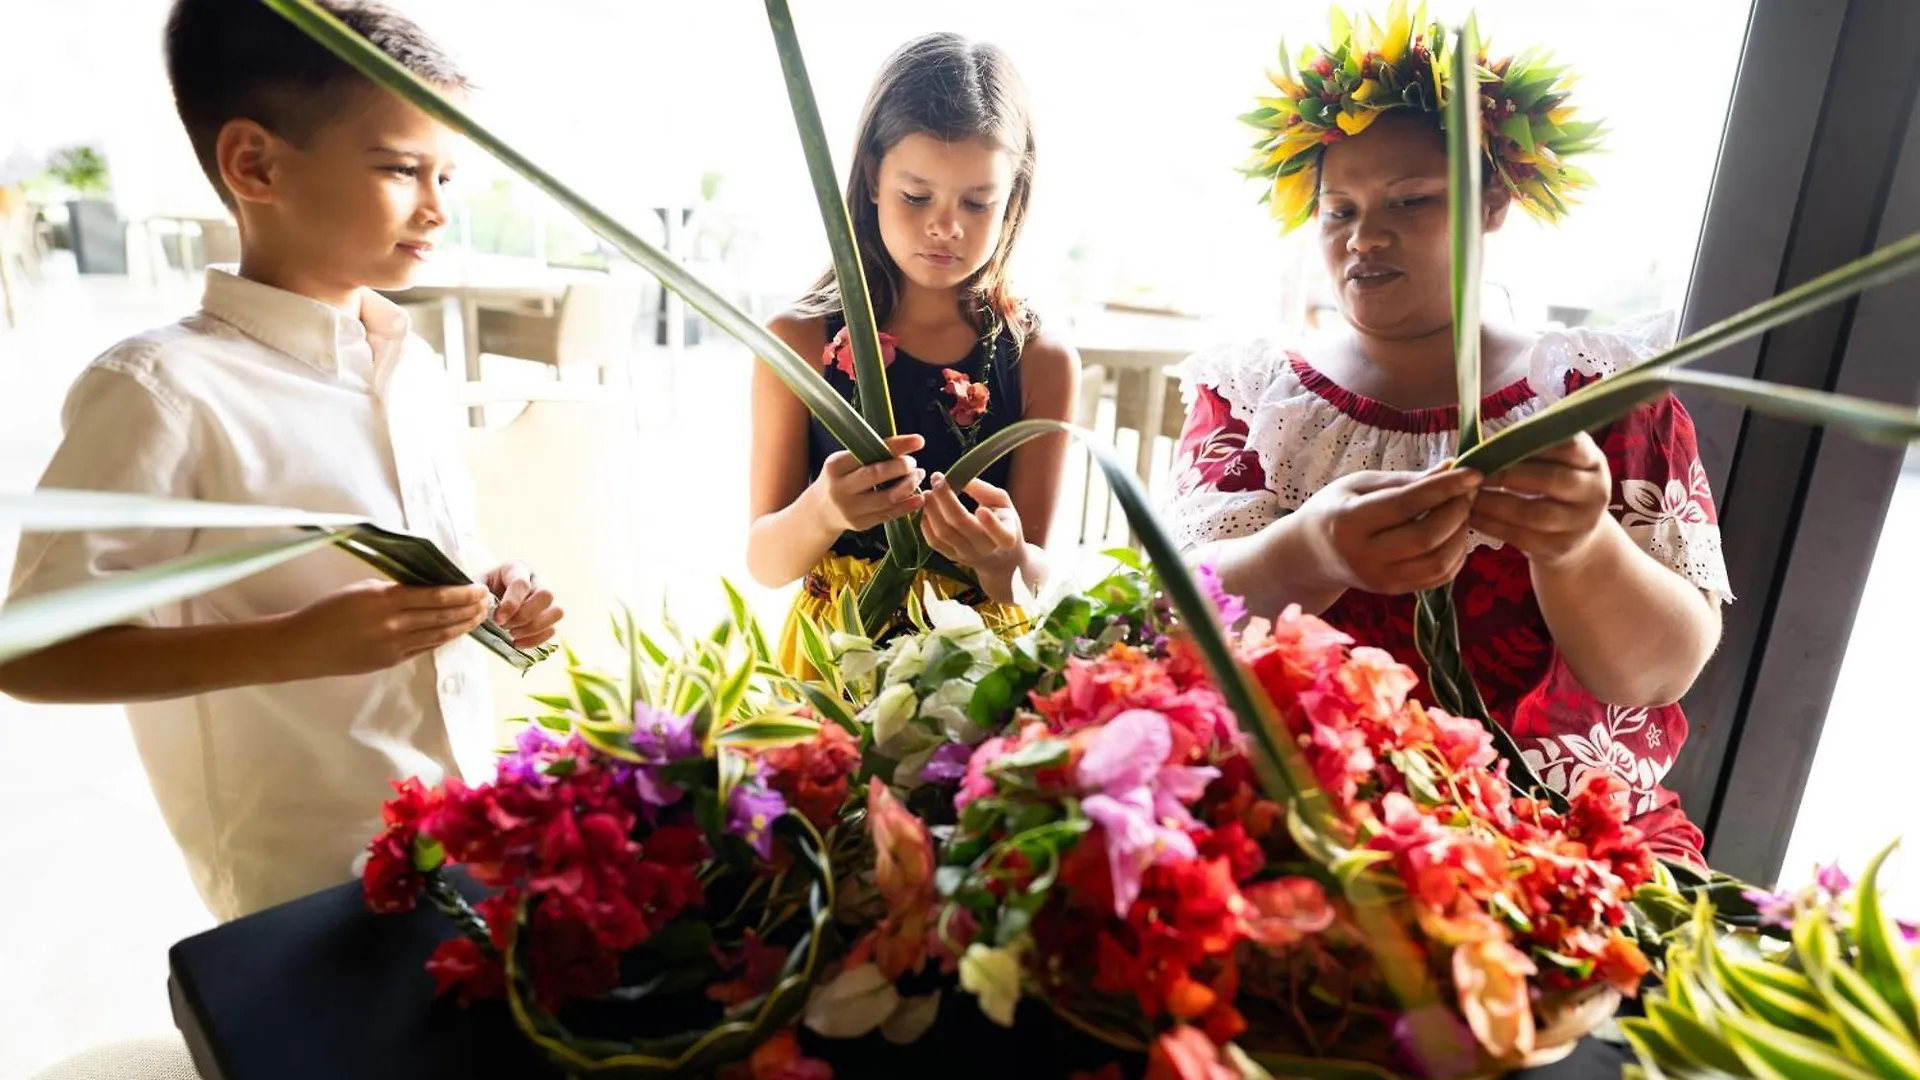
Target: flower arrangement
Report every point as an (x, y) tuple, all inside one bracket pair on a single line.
[(668, 839), (1072, 814), (1105, 846)]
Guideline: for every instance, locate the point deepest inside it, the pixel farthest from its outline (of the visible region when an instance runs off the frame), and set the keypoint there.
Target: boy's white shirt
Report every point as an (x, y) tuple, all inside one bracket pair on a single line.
[(265, 396)]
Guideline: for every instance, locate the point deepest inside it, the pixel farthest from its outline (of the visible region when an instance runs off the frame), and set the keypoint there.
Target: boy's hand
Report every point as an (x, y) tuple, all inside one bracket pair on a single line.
[(1550, 506), (857, 497), (526, 609), (1390, 533), (374, 625)]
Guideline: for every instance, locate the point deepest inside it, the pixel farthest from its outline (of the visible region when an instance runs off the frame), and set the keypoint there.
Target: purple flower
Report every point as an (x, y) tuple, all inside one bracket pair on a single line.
[(1137, 799), (1231, 608), (1433, 1041), (1776, 909), (752, 808), (947, 764), (660, 738), (1910, 932), (1833, 880), (533, 749)]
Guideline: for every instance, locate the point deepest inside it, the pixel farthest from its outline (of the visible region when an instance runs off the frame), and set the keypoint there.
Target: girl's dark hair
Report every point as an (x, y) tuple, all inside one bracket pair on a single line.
[(952, 89)]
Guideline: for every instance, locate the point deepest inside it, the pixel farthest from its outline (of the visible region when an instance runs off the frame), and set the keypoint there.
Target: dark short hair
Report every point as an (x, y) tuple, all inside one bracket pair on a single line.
[(238, 59)]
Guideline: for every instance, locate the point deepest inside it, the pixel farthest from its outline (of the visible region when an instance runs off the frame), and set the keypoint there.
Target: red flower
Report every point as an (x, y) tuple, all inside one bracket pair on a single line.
[(459, 964), (1230, 841), (840, 352), (812, 776), (779, 1058), (969, 398), (759, 966), (390, 882), (1282, 911)]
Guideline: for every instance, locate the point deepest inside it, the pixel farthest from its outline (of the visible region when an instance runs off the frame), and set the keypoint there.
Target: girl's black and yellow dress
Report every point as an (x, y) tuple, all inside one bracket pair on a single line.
[(923, 404)]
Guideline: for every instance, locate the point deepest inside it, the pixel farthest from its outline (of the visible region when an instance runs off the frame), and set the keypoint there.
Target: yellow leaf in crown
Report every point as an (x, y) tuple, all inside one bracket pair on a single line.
[(1356, 122), (1292, 195), (1366, 90), (1289, 88), (1393, 46), (1298, 138)]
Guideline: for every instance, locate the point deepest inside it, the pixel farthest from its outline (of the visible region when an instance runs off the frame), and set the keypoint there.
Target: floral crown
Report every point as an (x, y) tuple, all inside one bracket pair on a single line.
[(1341, 88)]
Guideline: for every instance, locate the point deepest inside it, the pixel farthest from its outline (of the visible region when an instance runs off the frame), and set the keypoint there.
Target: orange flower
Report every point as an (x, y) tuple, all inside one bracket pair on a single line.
[(1622, 965), (1185, 1053), (1491, 980), (902, 850), (969, 398)]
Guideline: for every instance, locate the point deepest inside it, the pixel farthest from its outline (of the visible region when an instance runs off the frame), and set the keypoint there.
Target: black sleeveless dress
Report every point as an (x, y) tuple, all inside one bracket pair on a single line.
[(923, 404)]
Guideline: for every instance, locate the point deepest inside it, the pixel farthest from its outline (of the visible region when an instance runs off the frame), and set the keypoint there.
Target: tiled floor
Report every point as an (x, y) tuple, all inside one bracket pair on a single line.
[(92, 891)]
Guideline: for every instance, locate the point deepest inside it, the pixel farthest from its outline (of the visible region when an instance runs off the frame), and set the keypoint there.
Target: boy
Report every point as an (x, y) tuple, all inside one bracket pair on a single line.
[(271, 715)]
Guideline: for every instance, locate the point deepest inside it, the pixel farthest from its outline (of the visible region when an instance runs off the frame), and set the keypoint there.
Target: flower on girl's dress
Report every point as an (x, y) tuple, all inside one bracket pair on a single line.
[(840, 352), (969, 398)]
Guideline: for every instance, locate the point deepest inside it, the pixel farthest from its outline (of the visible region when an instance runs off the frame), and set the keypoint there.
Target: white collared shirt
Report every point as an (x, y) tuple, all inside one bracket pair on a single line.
[(265, 396)]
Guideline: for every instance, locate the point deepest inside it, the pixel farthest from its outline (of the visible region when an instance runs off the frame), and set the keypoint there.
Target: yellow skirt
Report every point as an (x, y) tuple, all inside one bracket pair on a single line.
[(835, 572)]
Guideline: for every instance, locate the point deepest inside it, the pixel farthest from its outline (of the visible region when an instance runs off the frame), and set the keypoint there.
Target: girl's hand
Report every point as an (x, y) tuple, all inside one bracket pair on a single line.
[(1390, 532), (988, 540), (1550, 506), (855, 497)]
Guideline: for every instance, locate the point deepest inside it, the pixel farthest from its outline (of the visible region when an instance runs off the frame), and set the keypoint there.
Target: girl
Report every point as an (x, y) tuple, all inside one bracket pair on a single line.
[(1589, 578), (938, 189)]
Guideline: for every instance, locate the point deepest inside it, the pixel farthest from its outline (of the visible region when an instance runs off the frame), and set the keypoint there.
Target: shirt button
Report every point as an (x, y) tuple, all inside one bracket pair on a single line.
[(451, 684)]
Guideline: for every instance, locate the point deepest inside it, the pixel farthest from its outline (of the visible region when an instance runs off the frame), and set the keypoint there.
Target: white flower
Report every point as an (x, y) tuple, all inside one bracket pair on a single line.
[(950, 614), (906, 775), (912, 1019), (892, 712), (856, 656), (993, 976), (857, 1001), (947, 707), (913, 740), (904, 660)]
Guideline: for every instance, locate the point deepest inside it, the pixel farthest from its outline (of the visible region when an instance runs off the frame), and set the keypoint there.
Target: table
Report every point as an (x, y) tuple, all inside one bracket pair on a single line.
[(321, 989)]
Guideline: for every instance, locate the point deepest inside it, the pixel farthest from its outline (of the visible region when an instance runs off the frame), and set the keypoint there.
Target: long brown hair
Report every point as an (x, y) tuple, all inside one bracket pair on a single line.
[(952, 89)]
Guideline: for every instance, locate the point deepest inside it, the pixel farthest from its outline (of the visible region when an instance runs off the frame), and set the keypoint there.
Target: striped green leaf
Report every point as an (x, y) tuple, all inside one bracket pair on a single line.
[(1885, 961), (1698, 1045), (768, 732), (1770, 1052)]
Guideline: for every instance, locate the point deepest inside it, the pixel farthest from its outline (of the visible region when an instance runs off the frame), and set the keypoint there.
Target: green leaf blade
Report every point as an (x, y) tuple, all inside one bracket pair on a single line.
[(35, 623), (1463, 228)]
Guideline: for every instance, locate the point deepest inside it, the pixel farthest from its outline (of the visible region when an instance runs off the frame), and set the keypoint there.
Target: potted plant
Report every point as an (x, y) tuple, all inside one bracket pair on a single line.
[(93, 222)]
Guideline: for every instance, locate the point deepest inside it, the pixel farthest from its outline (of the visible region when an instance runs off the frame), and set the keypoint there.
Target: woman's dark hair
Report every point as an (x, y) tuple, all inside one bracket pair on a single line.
[(952, 89)]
